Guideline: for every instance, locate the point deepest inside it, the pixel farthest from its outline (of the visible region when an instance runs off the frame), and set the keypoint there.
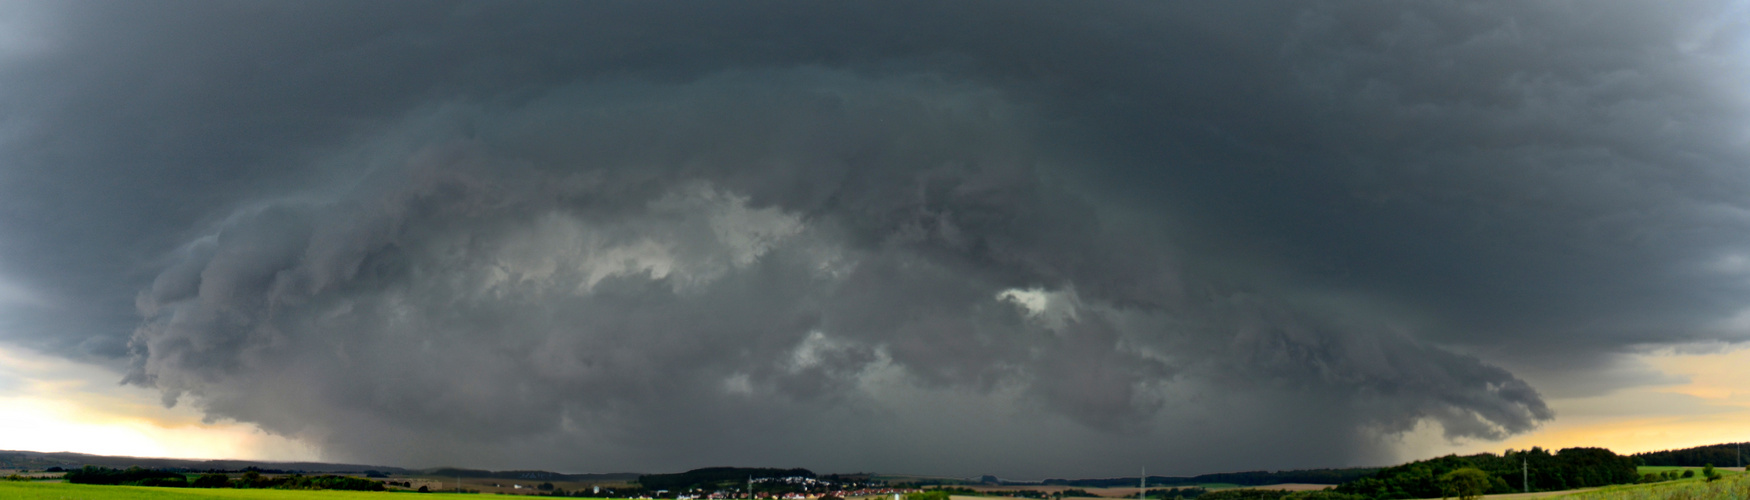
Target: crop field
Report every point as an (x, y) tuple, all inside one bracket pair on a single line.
[(62, 491)]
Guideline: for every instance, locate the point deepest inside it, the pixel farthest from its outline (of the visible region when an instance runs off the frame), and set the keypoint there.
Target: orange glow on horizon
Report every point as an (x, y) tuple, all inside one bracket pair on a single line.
[(1712, 407), (52, 405)]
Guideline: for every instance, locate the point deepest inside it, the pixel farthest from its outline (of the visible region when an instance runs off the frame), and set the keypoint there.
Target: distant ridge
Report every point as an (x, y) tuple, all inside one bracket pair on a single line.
[(527, 474), (1251, 478), (40, 460)]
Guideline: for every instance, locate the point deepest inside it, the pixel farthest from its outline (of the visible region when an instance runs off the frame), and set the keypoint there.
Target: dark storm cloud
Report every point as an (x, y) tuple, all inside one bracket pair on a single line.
[(938, 238)]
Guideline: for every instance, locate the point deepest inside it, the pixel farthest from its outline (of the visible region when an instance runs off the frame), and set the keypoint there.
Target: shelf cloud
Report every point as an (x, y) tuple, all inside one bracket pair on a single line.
[(1022, 238)]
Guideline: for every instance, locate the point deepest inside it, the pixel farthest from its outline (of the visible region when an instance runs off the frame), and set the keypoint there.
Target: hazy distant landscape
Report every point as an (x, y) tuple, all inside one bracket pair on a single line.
[(1579, 472)]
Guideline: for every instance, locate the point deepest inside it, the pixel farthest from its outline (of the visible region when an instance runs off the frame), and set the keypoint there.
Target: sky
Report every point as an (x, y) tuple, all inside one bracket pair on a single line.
[(1028, 239)]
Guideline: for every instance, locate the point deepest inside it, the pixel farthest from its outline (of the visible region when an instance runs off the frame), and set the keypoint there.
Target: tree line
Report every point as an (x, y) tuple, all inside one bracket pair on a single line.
[(136, 476), (1724, 455), (1566, 469), (1257, 494), (1708, 472), (1172, 493)]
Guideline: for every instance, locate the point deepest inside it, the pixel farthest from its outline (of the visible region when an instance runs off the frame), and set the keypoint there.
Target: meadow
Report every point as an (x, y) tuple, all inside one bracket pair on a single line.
[(1733, 487), (10, 490)]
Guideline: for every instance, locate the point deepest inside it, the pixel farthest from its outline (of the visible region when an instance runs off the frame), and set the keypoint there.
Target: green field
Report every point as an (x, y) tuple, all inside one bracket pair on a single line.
[(1736, 486), (62, 491)]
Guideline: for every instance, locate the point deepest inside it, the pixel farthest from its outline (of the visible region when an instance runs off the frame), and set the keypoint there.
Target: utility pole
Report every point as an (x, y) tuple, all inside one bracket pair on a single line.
[(1141, 494), (1525, 470)]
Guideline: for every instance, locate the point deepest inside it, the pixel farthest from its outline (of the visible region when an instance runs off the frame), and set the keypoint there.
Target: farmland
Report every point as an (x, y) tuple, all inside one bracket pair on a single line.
[(1733, 487), (63, 491), (1565, 466)]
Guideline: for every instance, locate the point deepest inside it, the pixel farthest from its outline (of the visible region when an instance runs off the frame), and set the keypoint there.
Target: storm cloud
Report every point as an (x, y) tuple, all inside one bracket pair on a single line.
[(1019, 238)]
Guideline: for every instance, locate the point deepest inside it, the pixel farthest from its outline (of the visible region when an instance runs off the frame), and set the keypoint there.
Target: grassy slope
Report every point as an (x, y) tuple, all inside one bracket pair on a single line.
[(1733, 487), (1677, 488), (63, 491)]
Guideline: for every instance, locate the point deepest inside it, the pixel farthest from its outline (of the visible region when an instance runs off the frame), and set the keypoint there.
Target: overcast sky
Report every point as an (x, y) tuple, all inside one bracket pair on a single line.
[(1018, 238)]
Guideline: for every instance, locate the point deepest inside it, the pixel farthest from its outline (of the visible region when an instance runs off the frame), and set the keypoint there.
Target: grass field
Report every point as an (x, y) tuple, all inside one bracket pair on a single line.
[(1736, 486), (1733, 487), (10, 490)]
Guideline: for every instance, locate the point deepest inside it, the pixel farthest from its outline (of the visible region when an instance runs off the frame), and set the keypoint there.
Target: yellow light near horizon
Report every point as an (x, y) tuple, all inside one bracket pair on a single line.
[(48, 404), (52, 405), (1723, 378), (1711, 407), (35, 425)]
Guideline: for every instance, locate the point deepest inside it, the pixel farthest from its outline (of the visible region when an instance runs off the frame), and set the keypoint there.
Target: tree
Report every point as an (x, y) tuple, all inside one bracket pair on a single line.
[(1688, 473), (1707, 471), (1467, 483)]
